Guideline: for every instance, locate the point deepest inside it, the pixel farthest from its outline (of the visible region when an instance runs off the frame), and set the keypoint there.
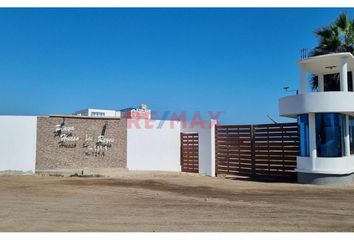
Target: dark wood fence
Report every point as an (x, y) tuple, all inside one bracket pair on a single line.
[(190, 152), (233, 150), (264, 151)]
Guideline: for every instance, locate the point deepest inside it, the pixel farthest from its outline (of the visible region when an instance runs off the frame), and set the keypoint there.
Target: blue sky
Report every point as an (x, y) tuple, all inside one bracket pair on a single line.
[(56, 61)]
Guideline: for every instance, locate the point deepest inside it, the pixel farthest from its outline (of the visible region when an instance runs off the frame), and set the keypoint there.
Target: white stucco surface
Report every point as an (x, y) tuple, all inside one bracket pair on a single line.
[(291, 106), (153, 145), (206, 133), (18, 143), (342, 165), (319, 64)]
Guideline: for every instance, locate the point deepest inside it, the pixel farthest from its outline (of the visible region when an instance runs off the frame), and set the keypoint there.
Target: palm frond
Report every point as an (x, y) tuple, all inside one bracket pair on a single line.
[(325, 32), (336, 37), (343, 22)]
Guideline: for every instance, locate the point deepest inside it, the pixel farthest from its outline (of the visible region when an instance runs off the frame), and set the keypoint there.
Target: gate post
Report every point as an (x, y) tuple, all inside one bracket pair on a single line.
[(216, 150), (253, 153)]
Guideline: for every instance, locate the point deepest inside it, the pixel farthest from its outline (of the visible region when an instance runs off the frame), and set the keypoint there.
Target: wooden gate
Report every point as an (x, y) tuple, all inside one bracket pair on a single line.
[(264, 151), (276, 147), (233, 150), (190, 152)]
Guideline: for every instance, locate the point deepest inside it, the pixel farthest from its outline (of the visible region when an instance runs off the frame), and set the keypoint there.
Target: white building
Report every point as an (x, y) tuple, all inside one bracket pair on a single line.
[(141, 112), (92, 112), (325, 118)]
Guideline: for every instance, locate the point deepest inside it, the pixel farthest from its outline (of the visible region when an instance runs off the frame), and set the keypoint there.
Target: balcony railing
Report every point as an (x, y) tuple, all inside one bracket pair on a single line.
[(304, 53)]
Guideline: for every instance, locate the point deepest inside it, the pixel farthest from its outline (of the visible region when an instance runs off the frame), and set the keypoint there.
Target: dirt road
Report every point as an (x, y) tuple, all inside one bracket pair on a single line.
[(138, 201)]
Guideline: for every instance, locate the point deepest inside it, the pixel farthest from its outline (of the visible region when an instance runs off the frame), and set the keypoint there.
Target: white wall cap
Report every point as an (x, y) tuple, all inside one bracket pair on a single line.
[(326, 64)]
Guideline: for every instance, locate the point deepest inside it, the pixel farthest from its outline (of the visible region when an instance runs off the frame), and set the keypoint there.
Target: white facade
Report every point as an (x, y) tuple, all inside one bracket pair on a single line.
[(156, 145), (324, 117), (339, 102), (206, 134), (153, 145), (18, 143), (93, 112)]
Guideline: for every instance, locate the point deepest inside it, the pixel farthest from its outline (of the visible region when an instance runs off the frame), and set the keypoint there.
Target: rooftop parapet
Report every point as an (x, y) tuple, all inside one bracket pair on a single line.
[(341, 63)]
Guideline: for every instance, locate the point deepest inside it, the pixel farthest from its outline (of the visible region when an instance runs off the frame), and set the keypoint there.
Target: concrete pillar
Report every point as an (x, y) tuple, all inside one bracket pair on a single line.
[(312, 139), (344, 75), (303, 81), (320, 83), (212, 148), (346, 136)]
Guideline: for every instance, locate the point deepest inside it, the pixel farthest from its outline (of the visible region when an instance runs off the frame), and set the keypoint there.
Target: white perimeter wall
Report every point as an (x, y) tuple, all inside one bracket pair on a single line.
[(153, 145), (18, 143), (206, 133)]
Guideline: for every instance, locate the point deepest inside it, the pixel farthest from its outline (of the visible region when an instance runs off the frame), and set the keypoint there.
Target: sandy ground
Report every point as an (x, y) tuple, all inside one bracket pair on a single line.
[(140, 201)]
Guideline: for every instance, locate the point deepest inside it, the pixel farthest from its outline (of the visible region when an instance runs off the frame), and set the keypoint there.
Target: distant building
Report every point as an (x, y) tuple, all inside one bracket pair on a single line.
[(141, 112), (92, 112)]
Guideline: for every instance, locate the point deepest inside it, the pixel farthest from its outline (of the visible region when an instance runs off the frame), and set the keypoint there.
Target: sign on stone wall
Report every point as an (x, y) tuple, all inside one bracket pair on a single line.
[(97, 147), (93, 146), (80, 142), (65, 134)]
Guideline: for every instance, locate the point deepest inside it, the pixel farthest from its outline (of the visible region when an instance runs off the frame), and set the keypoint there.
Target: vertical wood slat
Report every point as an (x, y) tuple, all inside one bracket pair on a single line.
[(190, 152)]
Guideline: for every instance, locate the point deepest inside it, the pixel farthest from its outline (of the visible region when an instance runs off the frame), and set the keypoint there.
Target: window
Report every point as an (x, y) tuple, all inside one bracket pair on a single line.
[(331, 82), (350, 82), (351, 134), (330, 134), (303, 123), (97, 114)]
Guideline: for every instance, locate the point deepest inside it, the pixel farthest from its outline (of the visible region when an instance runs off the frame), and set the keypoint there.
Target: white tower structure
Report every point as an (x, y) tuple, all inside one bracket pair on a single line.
[(325, 118)]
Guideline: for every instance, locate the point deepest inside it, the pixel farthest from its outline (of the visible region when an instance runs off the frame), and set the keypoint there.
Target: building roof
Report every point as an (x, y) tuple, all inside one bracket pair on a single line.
[(127, 109), (76, 116), (94, 109), (329, 63)]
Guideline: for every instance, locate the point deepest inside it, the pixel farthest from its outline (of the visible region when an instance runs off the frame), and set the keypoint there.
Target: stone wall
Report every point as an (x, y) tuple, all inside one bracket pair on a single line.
[(75, 143)]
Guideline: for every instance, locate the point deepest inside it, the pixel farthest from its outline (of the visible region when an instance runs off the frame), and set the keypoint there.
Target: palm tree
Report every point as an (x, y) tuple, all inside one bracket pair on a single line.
[(337, 37)]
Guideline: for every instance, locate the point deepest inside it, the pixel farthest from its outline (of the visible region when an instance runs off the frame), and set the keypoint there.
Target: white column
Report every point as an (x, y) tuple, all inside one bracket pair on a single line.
[(346, 136), (353, 80), (344, 75), (320, 83), (212, 148), (312, 139), (303, 81)]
